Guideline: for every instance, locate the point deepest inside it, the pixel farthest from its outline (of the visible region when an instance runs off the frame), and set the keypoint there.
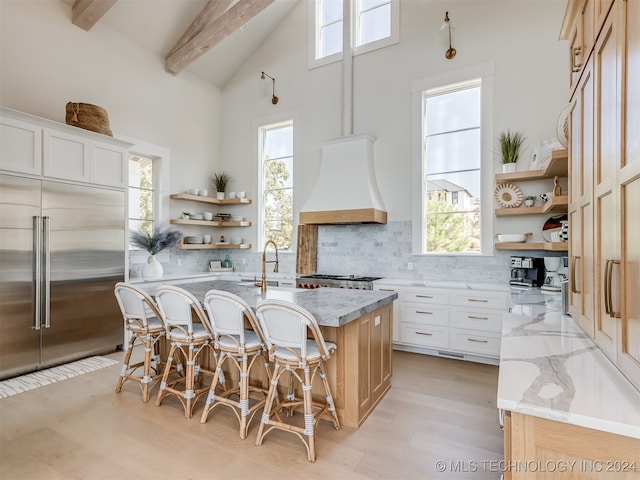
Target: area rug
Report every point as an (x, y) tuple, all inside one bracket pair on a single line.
[(24, 383)]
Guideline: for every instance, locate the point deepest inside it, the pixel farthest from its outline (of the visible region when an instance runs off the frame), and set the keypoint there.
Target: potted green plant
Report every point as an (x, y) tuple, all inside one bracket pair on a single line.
[(154, 242), (221, 180), (529, 201), (186, 215), (510, 143)]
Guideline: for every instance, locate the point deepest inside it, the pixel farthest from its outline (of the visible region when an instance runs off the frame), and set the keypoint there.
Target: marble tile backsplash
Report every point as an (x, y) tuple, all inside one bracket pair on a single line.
[(372, 250)]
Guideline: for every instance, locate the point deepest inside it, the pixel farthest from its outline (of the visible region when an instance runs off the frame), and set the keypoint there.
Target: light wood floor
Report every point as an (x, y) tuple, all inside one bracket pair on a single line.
[(437, 410)]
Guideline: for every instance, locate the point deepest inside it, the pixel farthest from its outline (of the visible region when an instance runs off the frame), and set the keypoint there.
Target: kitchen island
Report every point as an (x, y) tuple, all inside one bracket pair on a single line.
[(359, 322), (565, 405)]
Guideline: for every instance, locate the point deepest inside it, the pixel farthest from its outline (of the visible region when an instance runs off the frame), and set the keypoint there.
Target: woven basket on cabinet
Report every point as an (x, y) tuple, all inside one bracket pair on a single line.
[(89, 117)]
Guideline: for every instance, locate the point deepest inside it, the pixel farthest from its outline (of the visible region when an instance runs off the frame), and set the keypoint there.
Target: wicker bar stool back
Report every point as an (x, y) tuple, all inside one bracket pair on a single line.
[(238, 349), (286, 328), (190, 342), (144, 325)]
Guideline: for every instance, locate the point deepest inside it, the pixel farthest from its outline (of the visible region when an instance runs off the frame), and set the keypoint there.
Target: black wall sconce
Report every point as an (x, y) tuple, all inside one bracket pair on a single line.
[(451, 52), (274, 99)]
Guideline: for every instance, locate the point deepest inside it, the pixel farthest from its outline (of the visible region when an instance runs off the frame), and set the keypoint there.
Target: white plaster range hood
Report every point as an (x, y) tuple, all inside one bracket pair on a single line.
[(346, 190)]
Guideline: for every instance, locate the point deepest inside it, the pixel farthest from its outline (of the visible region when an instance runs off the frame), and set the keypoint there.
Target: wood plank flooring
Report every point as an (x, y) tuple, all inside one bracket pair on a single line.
[(437, 410)]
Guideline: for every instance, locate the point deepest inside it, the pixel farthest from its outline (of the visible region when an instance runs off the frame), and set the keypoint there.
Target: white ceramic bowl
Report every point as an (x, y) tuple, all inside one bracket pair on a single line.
[(208, 216), (194, 239), (237, 219), (196, 217), (512, 237)]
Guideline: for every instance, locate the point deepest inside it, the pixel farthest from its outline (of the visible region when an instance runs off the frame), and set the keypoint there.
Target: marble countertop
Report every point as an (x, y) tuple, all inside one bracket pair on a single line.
[(441, 284), (550, 368), (332, 307)]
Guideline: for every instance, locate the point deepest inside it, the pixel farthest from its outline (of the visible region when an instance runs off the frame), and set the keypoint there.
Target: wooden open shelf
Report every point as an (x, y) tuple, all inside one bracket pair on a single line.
[(554, 205), (558, 166), (198, 198), (207, 223), (211, 246), (551, 246)]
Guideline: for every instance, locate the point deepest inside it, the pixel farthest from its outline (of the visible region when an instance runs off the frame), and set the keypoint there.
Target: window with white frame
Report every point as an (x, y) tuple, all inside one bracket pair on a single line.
[(141, 193), (372, 21), (374, 24), (451, 165), (276, 160)]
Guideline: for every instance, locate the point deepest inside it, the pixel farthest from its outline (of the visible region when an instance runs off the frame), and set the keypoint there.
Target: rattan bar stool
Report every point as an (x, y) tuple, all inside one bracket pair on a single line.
[(285, 327), (237, 348), (189, 340), (144, 324)]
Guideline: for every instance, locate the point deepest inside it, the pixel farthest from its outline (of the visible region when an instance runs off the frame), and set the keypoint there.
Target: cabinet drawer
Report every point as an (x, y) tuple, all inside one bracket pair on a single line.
[(475, 342), (481, 300), (424, 335), (476, 319), (425, 296), (424, 314)]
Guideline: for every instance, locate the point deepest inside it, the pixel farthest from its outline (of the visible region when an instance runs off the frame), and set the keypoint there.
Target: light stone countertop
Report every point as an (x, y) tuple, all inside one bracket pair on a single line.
[(332, 307), (550, 368), (441, 284)]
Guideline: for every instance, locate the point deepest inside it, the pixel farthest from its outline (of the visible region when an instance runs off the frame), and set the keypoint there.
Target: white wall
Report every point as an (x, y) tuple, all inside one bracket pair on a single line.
[(46, 61), (518, 37)]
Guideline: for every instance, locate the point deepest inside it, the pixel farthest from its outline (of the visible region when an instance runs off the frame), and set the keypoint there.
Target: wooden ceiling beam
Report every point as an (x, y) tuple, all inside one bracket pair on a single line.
[(86, 13), (214, 23)]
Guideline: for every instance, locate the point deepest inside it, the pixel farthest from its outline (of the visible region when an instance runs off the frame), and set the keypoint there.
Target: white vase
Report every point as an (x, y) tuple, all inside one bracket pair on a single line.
[(508, 167), (152, 269)]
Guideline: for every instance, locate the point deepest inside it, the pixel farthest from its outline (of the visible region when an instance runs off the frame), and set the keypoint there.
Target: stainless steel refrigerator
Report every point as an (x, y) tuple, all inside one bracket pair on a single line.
[(62, 249)]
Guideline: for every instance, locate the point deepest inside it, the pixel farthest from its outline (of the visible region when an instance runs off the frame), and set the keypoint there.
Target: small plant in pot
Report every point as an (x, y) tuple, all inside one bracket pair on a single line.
[(221, 180), (510, 143), (530, 201), (186, 215)]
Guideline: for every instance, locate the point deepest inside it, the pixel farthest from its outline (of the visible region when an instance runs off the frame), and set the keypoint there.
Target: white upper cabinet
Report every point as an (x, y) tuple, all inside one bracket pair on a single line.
[(20, 146), (66, 156), (37, 146)]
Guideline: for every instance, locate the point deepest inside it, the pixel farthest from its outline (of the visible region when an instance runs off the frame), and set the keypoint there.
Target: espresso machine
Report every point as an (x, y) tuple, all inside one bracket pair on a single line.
[(527, 272)]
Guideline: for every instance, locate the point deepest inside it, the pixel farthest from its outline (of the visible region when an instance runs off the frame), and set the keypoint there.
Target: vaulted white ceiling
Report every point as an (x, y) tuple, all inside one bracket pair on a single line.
[(157, 25)]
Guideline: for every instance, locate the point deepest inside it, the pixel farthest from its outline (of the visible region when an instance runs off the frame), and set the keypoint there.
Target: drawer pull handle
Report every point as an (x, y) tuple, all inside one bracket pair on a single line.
[(426, 334), (424, 296), (477, 318), (424, 313), (481, 300), (477, 341)]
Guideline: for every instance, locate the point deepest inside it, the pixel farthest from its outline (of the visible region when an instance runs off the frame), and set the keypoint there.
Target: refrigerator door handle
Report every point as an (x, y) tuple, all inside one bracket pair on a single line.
[(47, 271), (37, 272)]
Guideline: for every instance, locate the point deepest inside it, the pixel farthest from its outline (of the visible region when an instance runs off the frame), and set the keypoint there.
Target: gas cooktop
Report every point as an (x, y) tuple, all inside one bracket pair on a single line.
[(336, 281), (352, 278)]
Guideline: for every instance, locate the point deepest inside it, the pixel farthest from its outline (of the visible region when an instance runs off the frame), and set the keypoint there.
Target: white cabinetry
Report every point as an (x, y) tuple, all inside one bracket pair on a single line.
[(396, 305), (72, 157), (20, 146), (453, 322), (37, 146)]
